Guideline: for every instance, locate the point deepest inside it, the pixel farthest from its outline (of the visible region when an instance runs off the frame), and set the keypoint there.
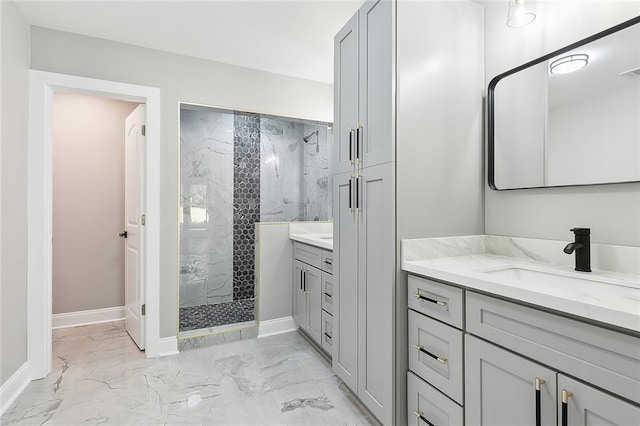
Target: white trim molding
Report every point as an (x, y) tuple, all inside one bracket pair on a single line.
[(276, 326), (40, 212), (13, 387), (93, 316), (169, 346)]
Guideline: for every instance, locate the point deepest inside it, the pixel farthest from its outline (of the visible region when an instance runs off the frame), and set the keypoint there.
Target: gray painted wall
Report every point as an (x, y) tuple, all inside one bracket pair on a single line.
[(612, 211), (88, 202), (274, 271), (439, 119), (15, 109), (180, 79)]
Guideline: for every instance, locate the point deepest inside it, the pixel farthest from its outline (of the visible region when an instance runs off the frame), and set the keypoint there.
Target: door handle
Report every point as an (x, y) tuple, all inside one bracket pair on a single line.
[(565, 405), (359, 130), (350, 193), (123, 234), (305, 281), (538, 384), (351, 146), (301, 278), (357, 193)]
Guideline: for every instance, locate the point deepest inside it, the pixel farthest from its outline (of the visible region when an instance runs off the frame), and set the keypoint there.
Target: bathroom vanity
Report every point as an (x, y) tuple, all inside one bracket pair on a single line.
[(498, 336), (313, 287)]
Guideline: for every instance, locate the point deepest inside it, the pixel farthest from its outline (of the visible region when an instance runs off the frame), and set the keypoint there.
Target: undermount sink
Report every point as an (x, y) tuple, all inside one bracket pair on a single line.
[(560, 278)]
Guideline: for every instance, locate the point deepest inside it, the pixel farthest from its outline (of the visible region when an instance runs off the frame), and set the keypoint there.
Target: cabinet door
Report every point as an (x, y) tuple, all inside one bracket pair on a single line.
[(299, 296), (313, 288), (376, 276), (345, 277), (589, 406), (500, 387), (377, 101), (345, 95)]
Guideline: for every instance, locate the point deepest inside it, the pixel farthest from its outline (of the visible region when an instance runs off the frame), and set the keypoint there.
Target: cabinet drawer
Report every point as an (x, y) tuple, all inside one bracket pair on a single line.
[(307, 254), (327, 261), (327, 332), (440, 301), (435, 354), (608, 359), (327, 292), (424, 402)]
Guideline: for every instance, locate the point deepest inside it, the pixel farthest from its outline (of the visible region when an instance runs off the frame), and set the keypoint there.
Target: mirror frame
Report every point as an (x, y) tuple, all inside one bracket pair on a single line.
[(491, 104)]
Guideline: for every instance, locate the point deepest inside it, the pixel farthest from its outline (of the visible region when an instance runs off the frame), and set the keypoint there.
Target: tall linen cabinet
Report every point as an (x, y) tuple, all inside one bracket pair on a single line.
[(407, 163)]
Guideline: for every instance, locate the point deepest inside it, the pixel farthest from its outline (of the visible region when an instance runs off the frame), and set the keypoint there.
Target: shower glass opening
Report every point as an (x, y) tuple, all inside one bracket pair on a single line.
[(236, 169)]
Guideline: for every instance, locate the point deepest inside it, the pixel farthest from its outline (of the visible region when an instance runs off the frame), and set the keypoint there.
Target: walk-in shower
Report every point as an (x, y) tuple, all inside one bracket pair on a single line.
[(236, 169)]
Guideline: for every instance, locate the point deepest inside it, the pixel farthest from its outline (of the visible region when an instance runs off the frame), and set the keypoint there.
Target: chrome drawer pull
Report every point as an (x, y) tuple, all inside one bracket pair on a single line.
[(437, 302), (328, 295), (423, 350), (420, 415), (328, 336)]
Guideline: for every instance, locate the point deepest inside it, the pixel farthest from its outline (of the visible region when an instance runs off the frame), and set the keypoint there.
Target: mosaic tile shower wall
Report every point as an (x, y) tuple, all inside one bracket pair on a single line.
[(246, 201), (237, 169)]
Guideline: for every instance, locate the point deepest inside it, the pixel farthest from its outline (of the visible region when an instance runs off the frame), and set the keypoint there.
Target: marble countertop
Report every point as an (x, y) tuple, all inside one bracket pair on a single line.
[(608, 297), (322, 240)]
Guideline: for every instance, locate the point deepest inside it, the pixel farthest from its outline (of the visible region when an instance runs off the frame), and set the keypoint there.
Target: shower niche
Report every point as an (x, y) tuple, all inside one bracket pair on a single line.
[(236, 169)]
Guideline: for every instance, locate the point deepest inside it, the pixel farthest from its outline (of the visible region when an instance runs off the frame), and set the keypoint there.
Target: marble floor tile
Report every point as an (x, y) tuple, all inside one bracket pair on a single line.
[(100, 377)]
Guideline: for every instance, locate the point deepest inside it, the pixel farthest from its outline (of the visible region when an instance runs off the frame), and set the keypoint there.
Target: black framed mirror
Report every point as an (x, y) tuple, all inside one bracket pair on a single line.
[(571, 117)]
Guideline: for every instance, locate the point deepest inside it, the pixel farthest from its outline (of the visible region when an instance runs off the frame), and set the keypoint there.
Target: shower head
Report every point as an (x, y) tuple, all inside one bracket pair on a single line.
[(306, 138)]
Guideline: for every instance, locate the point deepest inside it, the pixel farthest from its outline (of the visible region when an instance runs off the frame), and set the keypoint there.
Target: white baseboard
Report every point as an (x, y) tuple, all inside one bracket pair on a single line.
[(276, 326), (13, 387), (168, 346), (94, 316)]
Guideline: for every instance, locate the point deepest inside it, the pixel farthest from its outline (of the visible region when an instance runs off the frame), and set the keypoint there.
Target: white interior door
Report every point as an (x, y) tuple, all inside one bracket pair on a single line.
[(133, 201)]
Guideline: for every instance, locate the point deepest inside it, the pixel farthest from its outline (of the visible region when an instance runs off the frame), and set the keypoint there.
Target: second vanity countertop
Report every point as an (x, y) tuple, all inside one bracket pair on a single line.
[(322, 240), (494, 265)]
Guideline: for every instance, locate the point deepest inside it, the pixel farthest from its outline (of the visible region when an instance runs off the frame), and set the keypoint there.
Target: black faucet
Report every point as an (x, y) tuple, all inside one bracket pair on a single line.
[(582, 248)]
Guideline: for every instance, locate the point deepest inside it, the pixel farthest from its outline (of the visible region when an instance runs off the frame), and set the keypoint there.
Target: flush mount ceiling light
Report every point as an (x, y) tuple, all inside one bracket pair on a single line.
[(568, 64), (521, 13)]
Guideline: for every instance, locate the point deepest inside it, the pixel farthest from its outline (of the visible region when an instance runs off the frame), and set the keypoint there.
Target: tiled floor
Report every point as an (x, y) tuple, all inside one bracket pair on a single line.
[(100, 378), (205, 316)]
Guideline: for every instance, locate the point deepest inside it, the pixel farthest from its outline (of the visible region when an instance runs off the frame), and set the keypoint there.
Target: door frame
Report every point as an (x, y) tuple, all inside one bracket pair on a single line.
[(40, 208)]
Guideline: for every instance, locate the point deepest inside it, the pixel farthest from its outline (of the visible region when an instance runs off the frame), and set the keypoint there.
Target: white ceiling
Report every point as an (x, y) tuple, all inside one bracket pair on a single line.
[(293, 37)]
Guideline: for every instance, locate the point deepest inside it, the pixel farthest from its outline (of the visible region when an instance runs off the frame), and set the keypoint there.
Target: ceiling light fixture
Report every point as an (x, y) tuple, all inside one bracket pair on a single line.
[(568, 64), (521, 13)]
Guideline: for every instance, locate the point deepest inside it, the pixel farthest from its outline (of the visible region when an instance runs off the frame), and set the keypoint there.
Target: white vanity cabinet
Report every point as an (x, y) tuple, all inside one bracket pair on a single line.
[(522, 365), (311, 289)]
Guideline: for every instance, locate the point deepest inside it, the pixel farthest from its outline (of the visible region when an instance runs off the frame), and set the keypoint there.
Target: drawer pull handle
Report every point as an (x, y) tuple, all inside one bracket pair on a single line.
[(328, 262), (420, 415), (436, 357), (328, 335), (437, 302), (539, 383), (565, 403), (328, 295)]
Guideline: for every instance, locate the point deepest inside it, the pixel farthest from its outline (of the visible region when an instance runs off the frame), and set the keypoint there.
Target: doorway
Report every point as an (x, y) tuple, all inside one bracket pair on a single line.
[(96, 210), (43, 85)]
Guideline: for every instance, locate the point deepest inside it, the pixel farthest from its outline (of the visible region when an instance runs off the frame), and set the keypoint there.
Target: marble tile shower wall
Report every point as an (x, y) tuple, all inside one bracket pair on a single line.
[(237, 169), (206, 195), (295, 175)]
